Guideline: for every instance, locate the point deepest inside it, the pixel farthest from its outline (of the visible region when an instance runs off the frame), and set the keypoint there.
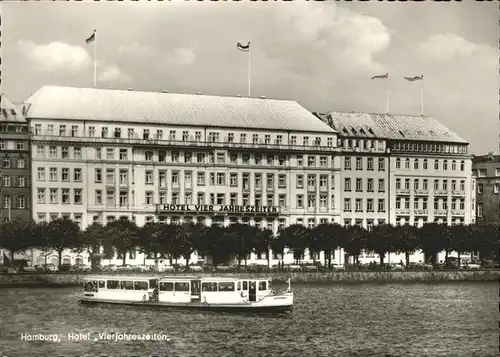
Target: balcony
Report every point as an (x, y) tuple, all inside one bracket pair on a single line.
[(183, 144), (458, 213), (421, 192), (440, 213), (402, 191), (402, 212), (457, 193), (440, 192), (421, 212)]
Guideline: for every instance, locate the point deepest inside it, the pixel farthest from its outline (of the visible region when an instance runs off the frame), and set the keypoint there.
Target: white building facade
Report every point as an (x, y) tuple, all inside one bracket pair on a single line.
[(402, 170), (179, 158)]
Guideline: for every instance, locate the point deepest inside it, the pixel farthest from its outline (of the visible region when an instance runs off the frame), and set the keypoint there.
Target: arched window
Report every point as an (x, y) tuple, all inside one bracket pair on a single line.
[(415, 164), (425, 164), (462, 165), (436, 165), (398, 163), (445, 165), (407, 163), (453, 165)]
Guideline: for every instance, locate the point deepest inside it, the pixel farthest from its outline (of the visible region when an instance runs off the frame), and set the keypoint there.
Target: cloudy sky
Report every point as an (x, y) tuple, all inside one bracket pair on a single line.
[(321, 55)]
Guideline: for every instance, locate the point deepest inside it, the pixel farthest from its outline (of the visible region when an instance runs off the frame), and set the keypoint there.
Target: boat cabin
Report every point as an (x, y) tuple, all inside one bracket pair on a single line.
[(177, 289), (116, 287)]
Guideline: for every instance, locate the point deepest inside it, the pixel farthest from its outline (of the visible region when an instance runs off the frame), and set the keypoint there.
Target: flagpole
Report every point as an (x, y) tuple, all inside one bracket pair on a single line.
[(95, 59), (422, 98), (249, 67)]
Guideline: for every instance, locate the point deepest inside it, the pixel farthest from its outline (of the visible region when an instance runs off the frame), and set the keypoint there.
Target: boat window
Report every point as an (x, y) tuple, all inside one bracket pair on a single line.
[(238, 287), (102, 284), (262, 285), (182, 286), (245, 285), (140, 285), (226, 286), (153, 284), (90, 285), (208, 286), (166, 286), (113, 284), (127, 285)]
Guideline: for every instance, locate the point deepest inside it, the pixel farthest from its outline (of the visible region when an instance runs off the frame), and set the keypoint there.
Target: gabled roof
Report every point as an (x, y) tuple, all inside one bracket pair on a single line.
[(9, 112), (390, 126), (171, 109)]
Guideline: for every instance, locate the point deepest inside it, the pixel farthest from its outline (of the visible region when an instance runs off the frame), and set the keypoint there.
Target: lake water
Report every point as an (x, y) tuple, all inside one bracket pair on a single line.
[(457, 319)]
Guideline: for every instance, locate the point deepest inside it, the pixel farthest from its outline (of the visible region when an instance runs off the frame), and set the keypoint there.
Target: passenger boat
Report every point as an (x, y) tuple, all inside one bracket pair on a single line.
[(190, 292)]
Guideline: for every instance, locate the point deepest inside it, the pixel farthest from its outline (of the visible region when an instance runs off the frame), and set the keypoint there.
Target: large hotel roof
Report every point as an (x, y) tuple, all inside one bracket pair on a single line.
[(390, 126), (128, 106)]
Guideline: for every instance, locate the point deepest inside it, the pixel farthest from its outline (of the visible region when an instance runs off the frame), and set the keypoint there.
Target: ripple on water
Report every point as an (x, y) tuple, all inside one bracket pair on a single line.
[(341, 320)]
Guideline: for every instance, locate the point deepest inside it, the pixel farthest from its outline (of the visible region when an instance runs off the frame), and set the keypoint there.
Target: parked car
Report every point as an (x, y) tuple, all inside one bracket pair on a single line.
[(338, 267), (51, 268), (397, 266)]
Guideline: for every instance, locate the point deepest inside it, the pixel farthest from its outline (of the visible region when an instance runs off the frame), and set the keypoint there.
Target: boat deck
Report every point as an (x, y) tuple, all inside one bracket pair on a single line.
[(247, 306)]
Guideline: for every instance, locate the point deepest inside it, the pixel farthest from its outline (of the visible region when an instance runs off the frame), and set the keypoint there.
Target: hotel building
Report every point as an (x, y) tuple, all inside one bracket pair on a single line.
[(402, 169), (486, 169), (101, 155)]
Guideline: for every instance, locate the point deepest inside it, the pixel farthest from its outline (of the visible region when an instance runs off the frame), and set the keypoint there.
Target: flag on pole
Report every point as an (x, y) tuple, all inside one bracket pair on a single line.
[(416, 78), (244, 48), (381, 76), (419, 78), (91, 38)]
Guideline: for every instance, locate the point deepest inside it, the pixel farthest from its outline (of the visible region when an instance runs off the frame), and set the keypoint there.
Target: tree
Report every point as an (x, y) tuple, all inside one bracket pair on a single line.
[(296, 238), (149, 241), (123, 235), (17, 236), (486, 240), (240, 239), (262, 243), (184, 239), (405, 240), (61, 234), (381, 240), (354, 242), (326, 237), (430, 240), (92, 240), (219, 244)]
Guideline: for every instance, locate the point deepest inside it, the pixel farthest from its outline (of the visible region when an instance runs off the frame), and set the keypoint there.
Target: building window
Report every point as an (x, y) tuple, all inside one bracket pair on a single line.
[(6, 181), (77, 175), (148, 156), (40, 174), (415, 164), (300, 201), (6, 163), (77, 196), (347, 184), (21, 202), (347, 204), (462, 165), (65, 152), (65, 198), (398, 163), (6, 202), (369, 205), (41, 195), (21, 181), (445, 165), (369, 164), (20, 145), (149, 177), (453, 165), (479, 209), (436, 165), (359, 163), (98, 197), (359, 185), (97, 175), (281, 181), (359, 205), (381, 205), (347, 163), (407, 163)]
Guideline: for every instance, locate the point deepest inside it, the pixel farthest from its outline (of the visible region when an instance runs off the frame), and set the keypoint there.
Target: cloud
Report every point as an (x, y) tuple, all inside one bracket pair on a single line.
[(113, 73), (55, 56), (334, 36), (448, 46), (136, 49), (181, 57)]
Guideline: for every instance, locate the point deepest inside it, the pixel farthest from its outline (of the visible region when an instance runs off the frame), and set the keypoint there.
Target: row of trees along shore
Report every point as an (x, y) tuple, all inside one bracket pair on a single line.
[(179, 241)]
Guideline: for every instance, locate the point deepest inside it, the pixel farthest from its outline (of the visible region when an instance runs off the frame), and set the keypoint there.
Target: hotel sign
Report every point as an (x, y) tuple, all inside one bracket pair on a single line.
[(218, 209)]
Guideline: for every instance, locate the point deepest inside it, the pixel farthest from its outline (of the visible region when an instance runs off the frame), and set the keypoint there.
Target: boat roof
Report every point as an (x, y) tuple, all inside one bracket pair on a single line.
[(122, 277)]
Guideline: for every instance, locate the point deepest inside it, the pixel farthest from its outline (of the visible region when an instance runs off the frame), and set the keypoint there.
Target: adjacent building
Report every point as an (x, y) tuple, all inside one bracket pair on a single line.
[(15, 190), (402, 169), (486, 169), (101, 155)]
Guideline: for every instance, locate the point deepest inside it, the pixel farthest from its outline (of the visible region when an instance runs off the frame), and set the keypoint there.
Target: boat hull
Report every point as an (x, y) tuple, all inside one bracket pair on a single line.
[(250, 308)]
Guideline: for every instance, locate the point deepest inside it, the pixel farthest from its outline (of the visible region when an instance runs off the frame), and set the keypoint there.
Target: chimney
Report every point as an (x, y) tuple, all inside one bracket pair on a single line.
[(198, 93), (130, 89), (164, 91), (262, 97)]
